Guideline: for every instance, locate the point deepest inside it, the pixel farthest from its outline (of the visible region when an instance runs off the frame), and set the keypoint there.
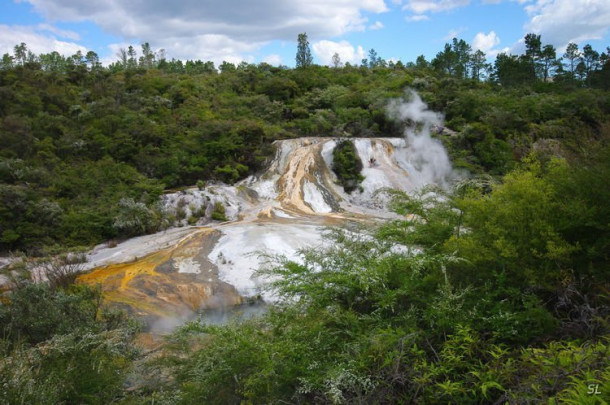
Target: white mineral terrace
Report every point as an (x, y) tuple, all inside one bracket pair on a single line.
[(284, 209)]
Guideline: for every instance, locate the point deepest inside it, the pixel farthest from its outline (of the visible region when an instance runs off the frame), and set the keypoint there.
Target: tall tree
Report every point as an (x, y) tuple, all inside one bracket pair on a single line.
[(454, 59), (336, 61), (132, 62), (511, 70), (477, 64), (601, 77), (533, 50), (581, 70), (604, 58), (147, 60), (226, 67), (572, 55), (445, 61), (548, 61), (373, 58), (31, 57), (161, 55), (421, 62), (590, 58), (78, 58), (462, 52), (7, 61), (533, 46), (93, 60), (21, 52), (52, 62), (122, 55), (304, 58)]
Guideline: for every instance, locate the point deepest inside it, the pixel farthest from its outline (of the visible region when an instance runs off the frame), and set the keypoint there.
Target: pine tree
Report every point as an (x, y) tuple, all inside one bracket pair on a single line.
[(304, 58), (572, 54)]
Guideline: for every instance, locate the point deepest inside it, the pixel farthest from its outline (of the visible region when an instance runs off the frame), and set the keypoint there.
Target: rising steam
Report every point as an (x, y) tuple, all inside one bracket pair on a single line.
[(427, 155)]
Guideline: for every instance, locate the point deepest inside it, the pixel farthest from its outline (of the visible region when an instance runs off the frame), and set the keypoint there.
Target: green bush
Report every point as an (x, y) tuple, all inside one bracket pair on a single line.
[(468, 310), (347, 165), (36, 312), (62, 346), (71, 368), (218, 213)]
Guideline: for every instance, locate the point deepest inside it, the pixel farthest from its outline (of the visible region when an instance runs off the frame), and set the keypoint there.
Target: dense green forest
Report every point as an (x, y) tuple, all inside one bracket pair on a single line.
[(501, 297), (76, 137)]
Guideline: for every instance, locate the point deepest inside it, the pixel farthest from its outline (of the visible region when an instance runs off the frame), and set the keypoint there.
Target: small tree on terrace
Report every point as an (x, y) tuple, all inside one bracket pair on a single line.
[(60, 271)]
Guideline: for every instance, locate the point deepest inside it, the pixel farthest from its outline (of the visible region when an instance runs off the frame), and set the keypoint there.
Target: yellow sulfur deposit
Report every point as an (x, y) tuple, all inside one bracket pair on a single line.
[(161, 283)]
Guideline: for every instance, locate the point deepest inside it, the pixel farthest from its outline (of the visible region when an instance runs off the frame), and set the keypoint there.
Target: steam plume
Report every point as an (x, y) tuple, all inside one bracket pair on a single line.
[(427, 155)]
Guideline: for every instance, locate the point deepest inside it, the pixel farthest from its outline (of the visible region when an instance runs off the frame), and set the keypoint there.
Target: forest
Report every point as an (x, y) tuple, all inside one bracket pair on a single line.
[(506, 299)]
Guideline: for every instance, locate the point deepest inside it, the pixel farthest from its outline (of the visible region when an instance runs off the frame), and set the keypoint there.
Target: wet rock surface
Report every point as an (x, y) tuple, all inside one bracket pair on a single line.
[(176, 274)]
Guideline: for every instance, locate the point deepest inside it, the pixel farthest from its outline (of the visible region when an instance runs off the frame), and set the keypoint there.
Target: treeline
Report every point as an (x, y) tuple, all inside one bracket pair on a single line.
[(540, 62), (76, 138)]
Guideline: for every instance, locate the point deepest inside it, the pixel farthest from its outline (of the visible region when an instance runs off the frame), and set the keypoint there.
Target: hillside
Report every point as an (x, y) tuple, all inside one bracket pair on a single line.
[(75, 140), (441, 238)]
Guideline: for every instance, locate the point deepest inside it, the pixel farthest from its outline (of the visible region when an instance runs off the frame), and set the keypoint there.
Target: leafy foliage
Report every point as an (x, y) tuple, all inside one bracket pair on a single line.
[(496, 292), (78, 140), (218, 213), (62, 346), (465, 300), (304, 58), (347, 165)]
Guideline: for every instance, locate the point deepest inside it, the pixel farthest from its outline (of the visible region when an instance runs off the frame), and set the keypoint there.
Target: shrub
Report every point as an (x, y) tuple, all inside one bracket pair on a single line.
[(61, 346), (61, 271), (347, 165), (218, 214), (134, 218)]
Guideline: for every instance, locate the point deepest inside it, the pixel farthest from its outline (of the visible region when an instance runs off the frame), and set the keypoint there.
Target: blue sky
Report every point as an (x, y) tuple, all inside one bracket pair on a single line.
[(266, 30)]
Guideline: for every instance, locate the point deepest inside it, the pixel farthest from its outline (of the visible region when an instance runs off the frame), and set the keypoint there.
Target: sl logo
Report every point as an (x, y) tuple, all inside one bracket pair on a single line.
[(593, 389)]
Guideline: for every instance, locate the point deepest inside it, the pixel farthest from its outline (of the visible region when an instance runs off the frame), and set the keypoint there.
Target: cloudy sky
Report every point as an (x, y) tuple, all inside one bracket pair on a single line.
[(266, 30)]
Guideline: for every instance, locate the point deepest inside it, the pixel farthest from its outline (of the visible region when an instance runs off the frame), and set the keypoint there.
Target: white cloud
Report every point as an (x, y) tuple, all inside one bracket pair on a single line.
[(503, 1), (235, 59), (210, 47), (416, 18), (37, 42), (562, 21), (273, 59), (485, 42), (211, 30), (518, 48), (559, 22), (324, 51), (454, 33), (433, 6), (215, 48), (114, 53), (377, 26), (75, 36)]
